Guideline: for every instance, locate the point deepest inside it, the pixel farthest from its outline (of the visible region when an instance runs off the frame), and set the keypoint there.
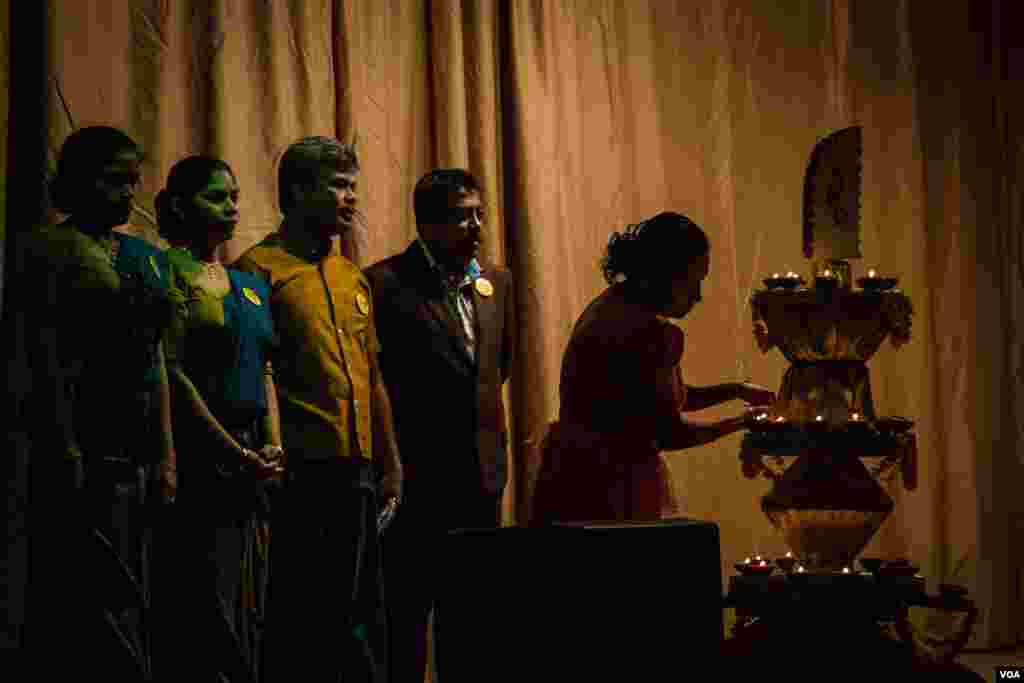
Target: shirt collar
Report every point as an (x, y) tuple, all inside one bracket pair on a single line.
[(470, 275)]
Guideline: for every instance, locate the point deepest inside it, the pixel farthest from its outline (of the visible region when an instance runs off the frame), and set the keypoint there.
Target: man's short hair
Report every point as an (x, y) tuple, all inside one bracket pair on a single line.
[(304, 161), (435, 191)]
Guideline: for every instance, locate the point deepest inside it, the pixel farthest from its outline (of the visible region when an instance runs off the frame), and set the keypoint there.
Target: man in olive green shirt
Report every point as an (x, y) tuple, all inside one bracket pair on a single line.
[(336, 427)]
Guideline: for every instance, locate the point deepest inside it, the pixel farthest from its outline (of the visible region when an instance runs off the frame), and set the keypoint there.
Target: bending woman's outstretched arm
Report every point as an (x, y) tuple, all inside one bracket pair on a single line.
[(677, 432), (687, 433), (699, 398)]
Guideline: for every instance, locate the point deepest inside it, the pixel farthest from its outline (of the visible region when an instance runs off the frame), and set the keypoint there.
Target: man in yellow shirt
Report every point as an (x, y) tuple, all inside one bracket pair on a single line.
[(336, 426)]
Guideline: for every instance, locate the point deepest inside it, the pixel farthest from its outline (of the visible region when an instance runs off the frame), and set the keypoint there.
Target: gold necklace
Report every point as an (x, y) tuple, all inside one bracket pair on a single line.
[(212, 277)]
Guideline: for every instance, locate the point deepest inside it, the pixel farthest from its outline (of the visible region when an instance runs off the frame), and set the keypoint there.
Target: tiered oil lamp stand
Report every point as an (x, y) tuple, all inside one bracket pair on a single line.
[(826, 451)]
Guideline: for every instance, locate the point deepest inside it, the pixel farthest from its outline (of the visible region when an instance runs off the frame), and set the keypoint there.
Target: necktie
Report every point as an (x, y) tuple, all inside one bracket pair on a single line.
[(460, 301)]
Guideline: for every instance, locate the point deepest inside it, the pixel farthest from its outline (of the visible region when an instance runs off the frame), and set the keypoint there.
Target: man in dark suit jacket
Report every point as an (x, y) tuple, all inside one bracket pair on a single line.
[(446, 325)]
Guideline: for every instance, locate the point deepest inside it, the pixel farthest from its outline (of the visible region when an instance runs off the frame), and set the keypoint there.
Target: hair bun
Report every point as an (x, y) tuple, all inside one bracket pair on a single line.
[(620, 255), (167, 223), (653, 249)]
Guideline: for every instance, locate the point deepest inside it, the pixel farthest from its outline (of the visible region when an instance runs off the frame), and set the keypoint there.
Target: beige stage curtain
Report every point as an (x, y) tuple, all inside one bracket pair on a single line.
[(583, 115)]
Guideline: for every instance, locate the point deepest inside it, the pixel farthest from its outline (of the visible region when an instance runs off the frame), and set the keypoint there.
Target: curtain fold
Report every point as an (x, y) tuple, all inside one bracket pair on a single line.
[(581, 116)]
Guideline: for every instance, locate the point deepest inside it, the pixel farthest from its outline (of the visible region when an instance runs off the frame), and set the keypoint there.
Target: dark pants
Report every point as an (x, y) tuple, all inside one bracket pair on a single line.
[(87, 597), (210, 566), (413, 575), (209, 590), (323, 606)]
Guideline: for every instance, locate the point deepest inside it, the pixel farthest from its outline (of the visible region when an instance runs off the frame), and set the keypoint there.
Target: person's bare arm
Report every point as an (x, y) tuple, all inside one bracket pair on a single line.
[(688, 433), (168, 467), (272, 420), (272, 450), (188, 400), (678, 432), (699, 398)]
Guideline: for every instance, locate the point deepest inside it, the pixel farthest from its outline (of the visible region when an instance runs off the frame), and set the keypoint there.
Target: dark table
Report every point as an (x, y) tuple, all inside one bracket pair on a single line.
[(823, 626)]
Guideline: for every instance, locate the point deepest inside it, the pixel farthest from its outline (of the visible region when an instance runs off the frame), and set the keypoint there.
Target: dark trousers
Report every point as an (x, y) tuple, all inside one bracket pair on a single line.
[(87, 599), (414, 575), (209, 592), (210, 570), (324, 593)]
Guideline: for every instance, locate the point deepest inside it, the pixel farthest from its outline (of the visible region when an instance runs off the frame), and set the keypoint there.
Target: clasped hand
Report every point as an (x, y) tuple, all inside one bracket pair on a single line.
[(268, 464)]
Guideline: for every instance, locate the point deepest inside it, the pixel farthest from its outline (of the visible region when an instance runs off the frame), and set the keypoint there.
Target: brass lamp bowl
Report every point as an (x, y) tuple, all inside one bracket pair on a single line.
[(818, 427), (784, 282), (857, 428), (826, 282), (872, 564), (893, 425), (845, 326), (786, 564), (889, 570), (770, 424), (877, 284)]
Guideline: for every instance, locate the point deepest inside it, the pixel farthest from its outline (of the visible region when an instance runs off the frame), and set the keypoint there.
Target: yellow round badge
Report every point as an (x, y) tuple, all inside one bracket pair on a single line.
[(362, 303), (483, 286), (252, 296)]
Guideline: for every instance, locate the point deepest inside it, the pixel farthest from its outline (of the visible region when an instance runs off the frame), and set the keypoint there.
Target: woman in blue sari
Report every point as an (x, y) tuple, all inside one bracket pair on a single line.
[(226, 429)]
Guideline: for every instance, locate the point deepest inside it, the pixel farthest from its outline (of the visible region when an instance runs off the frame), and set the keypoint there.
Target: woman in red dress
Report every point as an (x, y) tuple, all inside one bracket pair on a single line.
[(622, 396)]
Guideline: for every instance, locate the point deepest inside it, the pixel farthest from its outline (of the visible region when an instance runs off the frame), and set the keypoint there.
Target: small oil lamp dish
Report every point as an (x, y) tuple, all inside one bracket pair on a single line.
[(857, 425), (758, 566), (826, 279), (778, 423), (761, 420), (786, 563), (893, 425), (800, 576), (872, 282), (788, 280), (819, 425)]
